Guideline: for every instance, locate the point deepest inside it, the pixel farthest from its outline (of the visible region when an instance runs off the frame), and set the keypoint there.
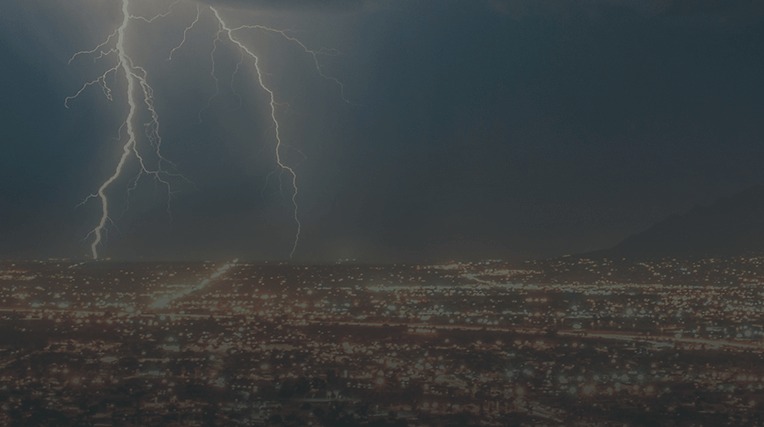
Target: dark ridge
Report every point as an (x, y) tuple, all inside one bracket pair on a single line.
[(731, 226)]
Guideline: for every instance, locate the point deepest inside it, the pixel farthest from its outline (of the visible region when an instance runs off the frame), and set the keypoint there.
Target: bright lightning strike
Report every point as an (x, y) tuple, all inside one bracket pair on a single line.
[(137, 89), (230, 33), (139, 96)]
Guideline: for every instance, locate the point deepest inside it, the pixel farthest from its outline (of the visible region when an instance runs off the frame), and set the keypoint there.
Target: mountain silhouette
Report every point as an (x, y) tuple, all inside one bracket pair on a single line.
[(731, 226)]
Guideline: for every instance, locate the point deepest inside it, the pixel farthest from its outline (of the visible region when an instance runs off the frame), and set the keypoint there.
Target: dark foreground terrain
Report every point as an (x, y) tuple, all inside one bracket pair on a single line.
[(565, 342)]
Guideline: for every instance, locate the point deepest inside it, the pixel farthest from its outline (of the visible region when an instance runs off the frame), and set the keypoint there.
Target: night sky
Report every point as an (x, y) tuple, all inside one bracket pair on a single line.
[(474, 129)]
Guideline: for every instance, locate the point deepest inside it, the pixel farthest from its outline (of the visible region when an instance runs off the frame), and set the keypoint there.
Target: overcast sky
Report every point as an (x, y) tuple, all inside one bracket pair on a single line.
[(474, 129)]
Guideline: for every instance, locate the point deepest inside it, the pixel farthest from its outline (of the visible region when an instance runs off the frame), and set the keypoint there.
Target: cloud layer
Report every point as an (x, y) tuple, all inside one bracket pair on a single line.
[(331, 5), (721, 9)]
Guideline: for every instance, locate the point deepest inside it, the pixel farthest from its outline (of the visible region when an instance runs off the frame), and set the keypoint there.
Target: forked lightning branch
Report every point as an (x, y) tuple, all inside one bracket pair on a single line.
[(140, 137)]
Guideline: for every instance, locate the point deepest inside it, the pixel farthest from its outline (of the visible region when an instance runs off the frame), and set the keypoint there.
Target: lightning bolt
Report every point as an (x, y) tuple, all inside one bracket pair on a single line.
[(185, 33), (230, 34), (139, 96), (137, 90)]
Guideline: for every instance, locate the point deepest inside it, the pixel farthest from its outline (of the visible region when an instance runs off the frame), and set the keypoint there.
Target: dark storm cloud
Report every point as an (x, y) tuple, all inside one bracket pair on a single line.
[(332, 5), (726, 10), (719, 8), (483, 128)]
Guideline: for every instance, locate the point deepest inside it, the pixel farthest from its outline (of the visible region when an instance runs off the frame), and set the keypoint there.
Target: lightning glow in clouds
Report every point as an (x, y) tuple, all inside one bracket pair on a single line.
[(141, 152)]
